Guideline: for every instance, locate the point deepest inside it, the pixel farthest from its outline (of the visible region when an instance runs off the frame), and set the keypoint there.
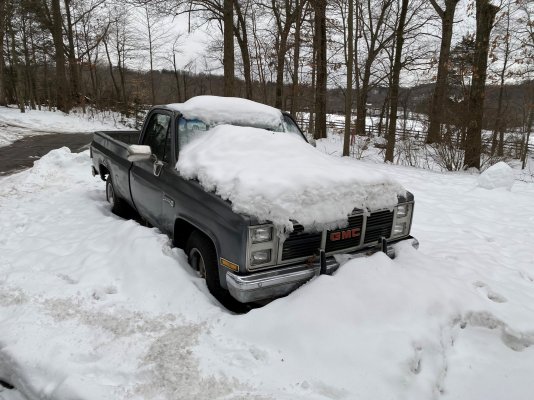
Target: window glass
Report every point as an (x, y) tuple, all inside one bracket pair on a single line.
[(189, 129), (157, 136), (291, 127)]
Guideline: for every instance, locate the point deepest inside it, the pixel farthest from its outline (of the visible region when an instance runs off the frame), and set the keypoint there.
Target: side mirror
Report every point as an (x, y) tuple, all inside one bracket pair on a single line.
[(312, 141), (138, 152)]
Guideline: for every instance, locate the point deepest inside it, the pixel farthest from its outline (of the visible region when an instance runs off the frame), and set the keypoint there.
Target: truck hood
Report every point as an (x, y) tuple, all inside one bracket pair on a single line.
[(278, 177)]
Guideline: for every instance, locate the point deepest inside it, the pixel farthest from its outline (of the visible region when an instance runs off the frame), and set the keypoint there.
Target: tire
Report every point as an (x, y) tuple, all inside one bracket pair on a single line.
[(199, 247), (203, 257), (118, 205)]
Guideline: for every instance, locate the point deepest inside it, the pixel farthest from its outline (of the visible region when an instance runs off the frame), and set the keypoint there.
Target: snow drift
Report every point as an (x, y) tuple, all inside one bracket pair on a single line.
[(500, 175), (279, 177)]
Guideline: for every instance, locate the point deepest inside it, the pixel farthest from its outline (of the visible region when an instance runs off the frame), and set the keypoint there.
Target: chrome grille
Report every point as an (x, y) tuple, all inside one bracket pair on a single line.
[(378, 224), (301, 244)]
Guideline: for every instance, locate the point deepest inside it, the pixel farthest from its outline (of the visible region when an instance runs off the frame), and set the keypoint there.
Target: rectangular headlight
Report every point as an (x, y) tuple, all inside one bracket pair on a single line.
[(260, 257), (403, 210), (261, 234), (400, 228)]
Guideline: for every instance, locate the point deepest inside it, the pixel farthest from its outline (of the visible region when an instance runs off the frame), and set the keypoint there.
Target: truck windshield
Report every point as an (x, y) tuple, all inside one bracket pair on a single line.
[(189, 129)]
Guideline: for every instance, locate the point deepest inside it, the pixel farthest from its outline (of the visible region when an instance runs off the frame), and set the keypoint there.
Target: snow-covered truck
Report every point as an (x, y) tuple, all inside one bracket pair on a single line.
[(258, 210)]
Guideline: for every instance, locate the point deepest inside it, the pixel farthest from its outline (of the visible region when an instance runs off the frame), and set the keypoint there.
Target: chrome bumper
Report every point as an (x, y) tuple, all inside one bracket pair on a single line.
[(282, 281)]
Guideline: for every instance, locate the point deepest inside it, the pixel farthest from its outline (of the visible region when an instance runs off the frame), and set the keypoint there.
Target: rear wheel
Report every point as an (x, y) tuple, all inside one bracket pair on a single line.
[(117, 204)]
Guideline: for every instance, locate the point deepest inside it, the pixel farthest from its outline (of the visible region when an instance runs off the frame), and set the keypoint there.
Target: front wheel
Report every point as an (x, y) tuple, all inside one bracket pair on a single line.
[(202, 257)]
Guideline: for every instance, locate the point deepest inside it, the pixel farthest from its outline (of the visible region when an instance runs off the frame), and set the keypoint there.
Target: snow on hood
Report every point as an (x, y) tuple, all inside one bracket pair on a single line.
[(231, 110), (278, 177)]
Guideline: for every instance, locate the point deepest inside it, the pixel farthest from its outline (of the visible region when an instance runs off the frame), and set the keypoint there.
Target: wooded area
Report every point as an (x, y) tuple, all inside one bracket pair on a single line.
[(309, 57)]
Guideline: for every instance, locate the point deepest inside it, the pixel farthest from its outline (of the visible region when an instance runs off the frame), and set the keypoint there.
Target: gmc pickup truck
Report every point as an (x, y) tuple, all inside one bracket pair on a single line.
[(239, 255)]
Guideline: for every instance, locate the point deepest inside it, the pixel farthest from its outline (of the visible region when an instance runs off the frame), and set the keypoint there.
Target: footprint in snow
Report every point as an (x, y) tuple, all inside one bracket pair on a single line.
[(490, 294)]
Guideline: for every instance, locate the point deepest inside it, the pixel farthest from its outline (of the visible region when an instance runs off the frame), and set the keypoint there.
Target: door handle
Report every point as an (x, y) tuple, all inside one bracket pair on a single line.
[(168, 200)]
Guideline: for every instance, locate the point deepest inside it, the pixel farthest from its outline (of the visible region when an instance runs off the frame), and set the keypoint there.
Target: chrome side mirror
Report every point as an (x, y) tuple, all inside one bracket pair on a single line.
[(138, 152)]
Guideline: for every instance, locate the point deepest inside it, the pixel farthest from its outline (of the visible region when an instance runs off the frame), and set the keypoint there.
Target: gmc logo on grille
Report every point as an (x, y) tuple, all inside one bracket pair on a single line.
[(342, 235)]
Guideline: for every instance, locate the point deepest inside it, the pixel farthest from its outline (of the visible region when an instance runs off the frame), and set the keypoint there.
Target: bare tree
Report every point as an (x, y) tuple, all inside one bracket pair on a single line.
[(394, 90), (377, 36), (3, 16), (485, 15), (436, 110), (229, 59), (349, 61), (320, 49)]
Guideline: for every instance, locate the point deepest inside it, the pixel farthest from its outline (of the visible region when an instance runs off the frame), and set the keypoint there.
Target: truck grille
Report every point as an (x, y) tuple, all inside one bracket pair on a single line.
[(378, 224), (301, 244), (355, 222)]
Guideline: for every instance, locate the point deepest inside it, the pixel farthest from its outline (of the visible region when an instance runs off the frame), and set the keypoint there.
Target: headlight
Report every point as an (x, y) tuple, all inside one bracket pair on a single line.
[(400, 228), (261, 234), (260, 257), (402, 210)]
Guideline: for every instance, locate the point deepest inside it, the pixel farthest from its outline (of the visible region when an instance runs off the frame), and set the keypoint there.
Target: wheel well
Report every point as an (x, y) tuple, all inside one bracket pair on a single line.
[(182, 231), (103, 172)]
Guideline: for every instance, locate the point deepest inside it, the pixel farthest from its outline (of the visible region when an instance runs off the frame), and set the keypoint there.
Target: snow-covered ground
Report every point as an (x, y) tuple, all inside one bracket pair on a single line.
[(15, 125), (96, 307)]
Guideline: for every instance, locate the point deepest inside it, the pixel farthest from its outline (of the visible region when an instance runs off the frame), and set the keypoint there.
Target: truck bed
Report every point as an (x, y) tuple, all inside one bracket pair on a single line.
[(110, 152), (128, 137)]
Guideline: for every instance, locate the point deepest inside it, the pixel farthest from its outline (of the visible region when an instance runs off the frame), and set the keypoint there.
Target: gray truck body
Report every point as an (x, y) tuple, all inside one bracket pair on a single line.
[(178, 207)]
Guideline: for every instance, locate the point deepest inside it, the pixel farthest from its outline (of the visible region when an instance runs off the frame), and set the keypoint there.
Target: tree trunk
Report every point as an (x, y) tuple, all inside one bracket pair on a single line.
[(228, 59), (394, 90), (485, 16), (73, 64), (280, 66), (361, 105), (115, 85), (348, 92), (62, 101), (296, 60), (3, 16), (438, 97), (151, 56), (321, 69), (499, 128), (242, 40), (15, 66)]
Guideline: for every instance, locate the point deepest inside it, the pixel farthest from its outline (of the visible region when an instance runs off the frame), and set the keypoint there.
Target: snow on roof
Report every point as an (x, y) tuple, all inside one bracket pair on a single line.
[(278, 177), (231, 110)]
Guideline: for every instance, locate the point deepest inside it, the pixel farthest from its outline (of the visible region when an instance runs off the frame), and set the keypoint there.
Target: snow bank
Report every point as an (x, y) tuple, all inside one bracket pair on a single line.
[(15, 125), (230, 110), (96, 307), (279, 177), (500, 175)]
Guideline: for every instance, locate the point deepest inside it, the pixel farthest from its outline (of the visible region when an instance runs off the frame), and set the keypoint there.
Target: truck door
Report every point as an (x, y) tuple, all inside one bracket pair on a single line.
[(145, 175)]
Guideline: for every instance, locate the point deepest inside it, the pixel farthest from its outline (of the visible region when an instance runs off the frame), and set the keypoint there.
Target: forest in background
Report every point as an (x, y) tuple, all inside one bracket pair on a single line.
[(467, 65)]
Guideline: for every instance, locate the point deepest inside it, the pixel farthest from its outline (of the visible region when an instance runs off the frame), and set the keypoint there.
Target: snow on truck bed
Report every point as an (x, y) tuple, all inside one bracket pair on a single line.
[(279, 177)]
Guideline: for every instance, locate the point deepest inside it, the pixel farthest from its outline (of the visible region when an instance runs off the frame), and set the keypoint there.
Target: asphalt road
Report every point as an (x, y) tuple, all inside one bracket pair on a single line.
[(21, 154)]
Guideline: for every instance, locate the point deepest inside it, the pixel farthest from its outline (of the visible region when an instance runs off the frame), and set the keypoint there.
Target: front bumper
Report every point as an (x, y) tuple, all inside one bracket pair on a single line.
[(282, 281)]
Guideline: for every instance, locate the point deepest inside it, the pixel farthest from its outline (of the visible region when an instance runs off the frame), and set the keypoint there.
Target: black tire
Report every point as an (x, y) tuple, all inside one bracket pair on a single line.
[(203, 257), (199, 245), (118, 206)]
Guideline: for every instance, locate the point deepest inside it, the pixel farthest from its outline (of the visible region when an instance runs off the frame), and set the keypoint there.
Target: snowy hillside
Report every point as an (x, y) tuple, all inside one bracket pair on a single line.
[(96, 307), (15, 125)]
